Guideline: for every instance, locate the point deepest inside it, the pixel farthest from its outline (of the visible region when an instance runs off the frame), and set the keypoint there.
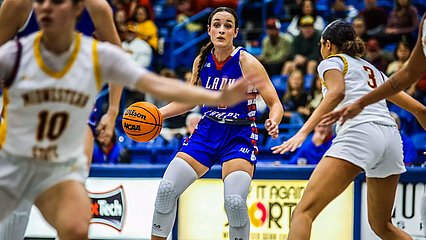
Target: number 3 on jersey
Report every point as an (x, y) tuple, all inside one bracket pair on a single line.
[(372, 82)]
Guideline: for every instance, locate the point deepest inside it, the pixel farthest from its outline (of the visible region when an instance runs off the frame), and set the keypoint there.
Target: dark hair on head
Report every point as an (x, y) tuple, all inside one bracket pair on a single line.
[(406, 44), (341, 34), (399, 7), (314, 7), (148, 14), (206, 49)]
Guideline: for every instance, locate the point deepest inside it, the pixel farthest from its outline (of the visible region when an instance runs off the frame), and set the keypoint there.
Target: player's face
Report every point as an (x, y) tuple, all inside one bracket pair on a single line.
[(222, 29), (56, 15)]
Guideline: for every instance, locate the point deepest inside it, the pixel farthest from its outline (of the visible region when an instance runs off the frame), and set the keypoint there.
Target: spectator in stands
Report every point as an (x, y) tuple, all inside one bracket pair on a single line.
[(275, 48), (313, 100), (307, 8), (314, 147), (340, 10), (120, 20), (140, 50), (402, 53), (130, 6), (410, 152), (145, 27), (358, 24), (402, 22), (375, 56), (305, 49), (186, 10), (375, 18), (295, 96), (108, 153)]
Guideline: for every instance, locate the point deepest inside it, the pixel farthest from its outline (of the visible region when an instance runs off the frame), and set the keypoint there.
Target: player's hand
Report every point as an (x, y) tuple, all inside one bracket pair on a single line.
[(105, 128), (231, 95), (272, 128), (291, 145), (343, 114)]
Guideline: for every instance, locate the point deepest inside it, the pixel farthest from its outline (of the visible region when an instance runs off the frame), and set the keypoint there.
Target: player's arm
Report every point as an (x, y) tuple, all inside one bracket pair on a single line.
[(408, 103), (402, 79), (177, 108), (101, 14), (118, 67), (266, 90), (336, 93), (13, 15)]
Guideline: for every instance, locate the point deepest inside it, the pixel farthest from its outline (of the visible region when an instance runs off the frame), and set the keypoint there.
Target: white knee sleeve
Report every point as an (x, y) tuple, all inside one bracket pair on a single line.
[(237, 185), (13, 227), (178, 176)]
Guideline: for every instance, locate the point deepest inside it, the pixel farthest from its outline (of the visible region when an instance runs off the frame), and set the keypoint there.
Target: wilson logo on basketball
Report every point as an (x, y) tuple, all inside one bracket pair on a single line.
[(132, 127), (133, 113), (109, 208)]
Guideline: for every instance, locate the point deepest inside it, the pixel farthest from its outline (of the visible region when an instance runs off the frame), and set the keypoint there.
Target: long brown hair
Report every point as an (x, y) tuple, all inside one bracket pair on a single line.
[(341, 34), (206, 49)]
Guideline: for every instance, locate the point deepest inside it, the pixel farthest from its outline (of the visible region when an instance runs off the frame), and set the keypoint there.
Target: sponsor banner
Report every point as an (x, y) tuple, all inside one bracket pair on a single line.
[(121, 208), (270, 204), (406, 213)]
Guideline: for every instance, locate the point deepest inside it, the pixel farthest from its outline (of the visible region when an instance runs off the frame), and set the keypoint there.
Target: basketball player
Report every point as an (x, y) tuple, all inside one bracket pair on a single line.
[(15, 16), (225, 135), (408, 75), (51, 78), (371, 142)]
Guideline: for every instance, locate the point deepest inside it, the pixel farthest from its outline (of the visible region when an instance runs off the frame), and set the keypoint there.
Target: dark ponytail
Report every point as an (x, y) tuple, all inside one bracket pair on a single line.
[(206, 49), (341, 34)]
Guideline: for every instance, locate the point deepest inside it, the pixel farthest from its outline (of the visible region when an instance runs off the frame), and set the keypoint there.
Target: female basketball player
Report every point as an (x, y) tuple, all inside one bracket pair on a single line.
[(225, 135), (51, 78), (409, 74), (370, 142), (15, 15)]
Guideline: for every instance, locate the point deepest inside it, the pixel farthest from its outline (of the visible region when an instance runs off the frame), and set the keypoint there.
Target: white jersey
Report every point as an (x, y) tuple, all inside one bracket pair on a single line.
[(46, 108), (360, 77)]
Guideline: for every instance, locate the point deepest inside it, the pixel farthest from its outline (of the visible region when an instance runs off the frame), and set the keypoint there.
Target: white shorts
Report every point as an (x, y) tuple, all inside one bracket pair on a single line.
[(373, 147), (26, 178)]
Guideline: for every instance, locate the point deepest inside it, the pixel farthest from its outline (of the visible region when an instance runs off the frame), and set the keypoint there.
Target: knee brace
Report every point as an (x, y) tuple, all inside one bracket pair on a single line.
[(236, 209), (178, 176), (166, 197)]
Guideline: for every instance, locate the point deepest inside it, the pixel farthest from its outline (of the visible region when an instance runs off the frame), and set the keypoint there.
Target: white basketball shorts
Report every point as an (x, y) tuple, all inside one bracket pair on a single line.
[(26, 178), (373, 147)]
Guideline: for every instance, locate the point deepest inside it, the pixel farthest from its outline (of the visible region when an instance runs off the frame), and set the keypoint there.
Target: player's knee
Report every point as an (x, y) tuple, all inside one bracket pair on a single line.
[(236, 210), (166, 197)]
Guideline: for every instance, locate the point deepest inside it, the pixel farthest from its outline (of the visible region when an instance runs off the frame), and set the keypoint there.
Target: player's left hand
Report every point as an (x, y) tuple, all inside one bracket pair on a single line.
[(105, 128), (272, 128), (343, 114), (291, 145)]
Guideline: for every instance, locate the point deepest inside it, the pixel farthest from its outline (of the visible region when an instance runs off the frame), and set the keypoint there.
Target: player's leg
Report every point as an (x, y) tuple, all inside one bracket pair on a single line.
[(14, 226), (182, 171), (89, 142), (380, 199), (318, 194), (237, 174), (66, 206)]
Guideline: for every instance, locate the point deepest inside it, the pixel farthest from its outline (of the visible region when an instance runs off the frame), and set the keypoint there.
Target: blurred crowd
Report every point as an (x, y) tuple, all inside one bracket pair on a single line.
[(286, 42)]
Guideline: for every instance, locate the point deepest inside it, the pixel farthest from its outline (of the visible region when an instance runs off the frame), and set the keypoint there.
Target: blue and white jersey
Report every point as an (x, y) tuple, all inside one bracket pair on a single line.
[(215, 76)]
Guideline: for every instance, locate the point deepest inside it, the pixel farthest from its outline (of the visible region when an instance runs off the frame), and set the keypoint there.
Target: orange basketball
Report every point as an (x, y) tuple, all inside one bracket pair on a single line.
[(142, 121)]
